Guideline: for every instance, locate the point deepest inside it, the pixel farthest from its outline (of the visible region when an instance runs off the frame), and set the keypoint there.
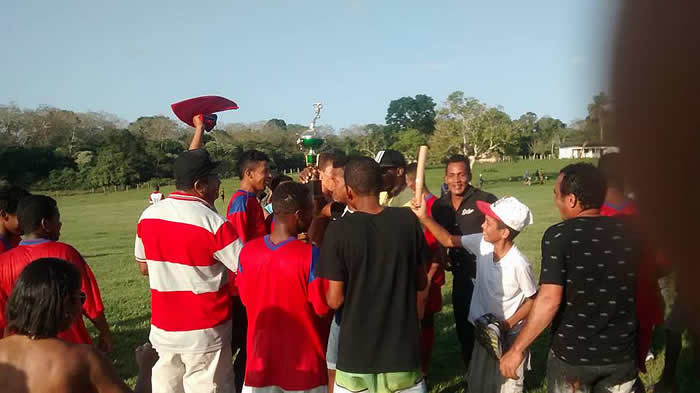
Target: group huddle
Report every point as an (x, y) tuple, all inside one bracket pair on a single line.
[(334, 291)]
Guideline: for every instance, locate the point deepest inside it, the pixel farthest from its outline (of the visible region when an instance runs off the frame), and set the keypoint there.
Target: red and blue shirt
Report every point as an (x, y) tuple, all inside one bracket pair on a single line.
[(7, 244), (288, 318), (246, 215), (14, 261)]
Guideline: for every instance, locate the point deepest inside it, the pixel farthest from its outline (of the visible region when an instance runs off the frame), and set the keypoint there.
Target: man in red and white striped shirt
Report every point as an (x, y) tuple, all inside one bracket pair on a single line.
[(187, 250)]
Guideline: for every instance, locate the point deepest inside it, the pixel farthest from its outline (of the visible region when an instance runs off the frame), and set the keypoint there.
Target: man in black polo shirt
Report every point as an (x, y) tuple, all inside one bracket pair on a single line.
[(587, 292), (456, 211)]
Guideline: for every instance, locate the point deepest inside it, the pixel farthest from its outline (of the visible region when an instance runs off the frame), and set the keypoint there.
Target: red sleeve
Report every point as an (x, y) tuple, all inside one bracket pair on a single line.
[(317, 287), (238, 216), (93, 306)]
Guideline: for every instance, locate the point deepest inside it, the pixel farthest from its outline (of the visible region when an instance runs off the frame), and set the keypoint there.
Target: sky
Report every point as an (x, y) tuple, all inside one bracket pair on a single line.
[(276, 58)]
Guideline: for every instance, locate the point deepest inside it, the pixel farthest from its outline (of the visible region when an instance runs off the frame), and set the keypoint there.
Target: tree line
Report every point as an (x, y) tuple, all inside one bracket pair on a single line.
[(55, 149)]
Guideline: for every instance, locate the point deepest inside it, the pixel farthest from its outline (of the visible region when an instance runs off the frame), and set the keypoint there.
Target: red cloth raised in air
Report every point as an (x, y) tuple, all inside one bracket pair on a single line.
[(14, 261), (288, 319), (649, 302), (205, 105)]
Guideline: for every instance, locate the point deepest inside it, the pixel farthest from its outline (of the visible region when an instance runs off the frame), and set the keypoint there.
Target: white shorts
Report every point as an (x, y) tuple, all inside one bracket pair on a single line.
[(209, 372), (277, 389)]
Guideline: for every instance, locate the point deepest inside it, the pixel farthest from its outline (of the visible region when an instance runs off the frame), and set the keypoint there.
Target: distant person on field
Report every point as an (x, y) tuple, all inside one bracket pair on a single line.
[(10, 230), (187, 250), (373, 259), (394, 191), (285, 301), (39, 217), (156, 196), (430, 299), (587, 293), (504, 289), (458, 213), (47, 299)]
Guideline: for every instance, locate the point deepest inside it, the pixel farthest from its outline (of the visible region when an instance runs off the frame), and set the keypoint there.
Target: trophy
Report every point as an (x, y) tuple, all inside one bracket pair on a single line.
[(310, 140)]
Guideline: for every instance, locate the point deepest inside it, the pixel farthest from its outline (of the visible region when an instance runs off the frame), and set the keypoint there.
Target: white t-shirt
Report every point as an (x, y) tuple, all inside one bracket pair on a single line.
[(155, 197), (501, 287)]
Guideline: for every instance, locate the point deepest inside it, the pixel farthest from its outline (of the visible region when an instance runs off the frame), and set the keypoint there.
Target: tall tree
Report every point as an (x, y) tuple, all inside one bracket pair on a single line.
[(409, 112), (598, 112)]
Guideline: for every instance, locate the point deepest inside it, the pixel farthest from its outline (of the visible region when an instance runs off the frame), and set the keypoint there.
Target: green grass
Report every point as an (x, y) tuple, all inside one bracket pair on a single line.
[(102, 227)]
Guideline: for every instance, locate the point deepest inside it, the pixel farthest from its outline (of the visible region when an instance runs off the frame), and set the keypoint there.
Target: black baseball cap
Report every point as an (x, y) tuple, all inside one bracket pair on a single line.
[(390, 159), (192, 165)]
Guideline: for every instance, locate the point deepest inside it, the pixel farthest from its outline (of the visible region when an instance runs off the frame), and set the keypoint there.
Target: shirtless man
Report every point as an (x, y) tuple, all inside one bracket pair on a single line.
[(45, 300)]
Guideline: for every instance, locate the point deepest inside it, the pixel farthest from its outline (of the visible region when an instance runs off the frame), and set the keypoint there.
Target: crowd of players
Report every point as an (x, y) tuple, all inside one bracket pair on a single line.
[(338, 291)]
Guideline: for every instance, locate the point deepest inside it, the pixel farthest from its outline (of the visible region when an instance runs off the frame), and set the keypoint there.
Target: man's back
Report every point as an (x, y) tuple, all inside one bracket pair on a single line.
[(376, 256), (286, 309), (595, 260), (13, 262), (188, 249), (53, 365)]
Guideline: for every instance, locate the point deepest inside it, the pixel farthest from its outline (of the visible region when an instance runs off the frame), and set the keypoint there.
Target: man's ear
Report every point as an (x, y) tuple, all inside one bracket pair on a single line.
[(571, 200), (400, 171), (45, 225), (3, 215)]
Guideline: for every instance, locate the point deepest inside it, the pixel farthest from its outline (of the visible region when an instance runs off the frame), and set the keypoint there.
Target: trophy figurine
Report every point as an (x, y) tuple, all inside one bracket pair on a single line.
[(310, 140)]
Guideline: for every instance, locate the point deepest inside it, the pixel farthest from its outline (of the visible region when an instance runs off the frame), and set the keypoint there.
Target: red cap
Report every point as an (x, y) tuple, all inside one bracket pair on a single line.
[(485, 208)]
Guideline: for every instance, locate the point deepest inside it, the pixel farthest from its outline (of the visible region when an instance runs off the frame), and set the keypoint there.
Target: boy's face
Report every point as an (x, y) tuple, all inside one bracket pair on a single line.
[(259, 176), (10, 223), (327, 183), (411, 182), (491, 232), (339, 192)]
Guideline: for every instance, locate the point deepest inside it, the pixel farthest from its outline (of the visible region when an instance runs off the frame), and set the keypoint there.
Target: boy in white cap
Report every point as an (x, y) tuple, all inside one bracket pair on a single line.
[(504, 288)]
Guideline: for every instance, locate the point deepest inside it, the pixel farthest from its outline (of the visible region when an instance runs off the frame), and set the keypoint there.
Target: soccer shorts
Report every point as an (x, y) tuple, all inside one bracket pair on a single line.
[(399, 382), (277, 389)]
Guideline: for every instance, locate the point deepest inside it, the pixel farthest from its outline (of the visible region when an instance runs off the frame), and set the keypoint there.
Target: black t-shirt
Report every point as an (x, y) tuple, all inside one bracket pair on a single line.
[(376, 256), (595, 259), (466, 220)]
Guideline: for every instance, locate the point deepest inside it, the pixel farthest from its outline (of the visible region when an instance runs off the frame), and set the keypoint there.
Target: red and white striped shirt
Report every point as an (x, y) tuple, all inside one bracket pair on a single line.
[(189, 250)]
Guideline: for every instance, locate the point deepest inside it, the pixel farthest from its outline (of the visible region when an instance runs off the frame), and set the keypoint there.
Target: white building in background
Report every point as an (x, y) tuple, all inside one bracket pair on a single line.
[(586, 151)]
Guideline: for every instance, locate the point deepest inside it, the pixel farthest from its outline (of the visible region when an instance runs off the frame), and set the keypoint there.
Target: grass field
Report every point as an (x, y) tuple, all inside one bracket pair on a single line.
[(102, 227)]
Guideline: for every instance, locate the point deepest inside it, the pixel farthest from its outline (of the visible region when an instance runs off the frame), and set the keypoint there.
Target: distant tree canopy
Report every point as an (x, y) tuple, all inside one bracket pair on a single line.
[(50, 148), (412, 113)]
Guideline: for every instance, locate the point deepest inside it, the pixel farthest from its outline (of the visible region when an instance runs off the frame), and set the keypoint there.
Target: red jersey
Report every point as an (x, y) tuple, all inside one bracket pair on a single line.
[(14, 261), (288, 319), (628, 208), (434, 300), (246, 215), (649, 302)]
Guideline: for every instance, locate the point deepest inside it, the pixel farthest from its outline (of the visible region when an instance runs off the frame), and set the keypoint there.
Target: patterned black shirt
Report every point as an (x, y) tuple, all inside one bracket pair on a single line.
[(595, 260)]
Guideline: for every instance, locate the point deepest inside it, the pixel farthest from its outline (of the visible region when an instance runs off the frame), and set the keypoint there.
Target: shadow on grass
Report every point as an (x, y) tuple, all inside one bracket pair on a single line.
[(128, 334)]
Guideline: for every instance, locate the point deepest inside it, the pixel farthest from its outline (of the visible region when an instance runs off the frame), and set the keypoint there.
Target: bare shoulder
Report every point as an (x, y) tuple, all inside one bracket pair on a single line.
[(100, 372)]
